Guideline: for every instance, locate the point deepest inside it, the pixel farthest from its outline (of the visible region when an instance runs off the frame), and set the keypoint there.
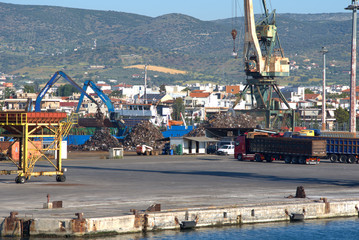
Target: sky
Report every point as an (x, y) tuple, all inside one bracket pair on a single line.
[(201, 9)]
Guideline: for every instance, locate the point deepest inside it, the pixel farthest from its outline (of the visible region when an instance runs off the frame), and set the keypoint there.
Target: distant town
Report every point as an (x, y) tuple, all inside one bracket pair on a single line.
[(156, 103)]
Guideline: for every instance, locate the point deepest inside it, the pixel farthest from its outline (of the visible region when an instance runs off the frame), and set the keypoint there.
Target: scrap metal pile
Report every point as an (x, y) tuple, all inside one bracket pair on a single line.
[(228, 120), (144, 133), (223, 120), (102, 140)]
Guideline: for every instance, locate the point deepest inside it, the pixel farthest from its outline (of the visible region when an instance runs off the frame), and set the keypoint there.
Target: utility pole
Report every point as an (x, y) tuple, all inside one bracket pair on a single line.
[(145, 92), (353, 7), (324, 51)]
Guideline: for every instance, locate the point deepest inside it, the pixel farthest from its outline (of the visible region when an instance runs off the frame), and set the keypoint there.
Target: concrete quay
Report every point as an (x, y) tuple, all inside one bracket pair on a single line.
[(210, 190)]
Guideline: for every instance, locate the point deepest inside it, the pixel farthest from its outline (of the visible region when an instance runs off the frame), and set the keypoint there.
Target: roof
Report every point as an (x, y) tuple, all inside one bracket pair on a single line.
[(201, 139), (107, 91), (68, 104), (102, 85), (311, 96), (199, 95), (117, 100), (153, 97), (348, 90), (123, 85)]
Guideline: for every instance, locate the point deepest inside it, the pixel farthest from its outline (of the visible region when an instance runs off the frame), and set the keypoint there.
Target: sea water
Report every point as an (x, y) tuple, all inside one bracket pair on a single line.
[(347, 228), (324, 229)]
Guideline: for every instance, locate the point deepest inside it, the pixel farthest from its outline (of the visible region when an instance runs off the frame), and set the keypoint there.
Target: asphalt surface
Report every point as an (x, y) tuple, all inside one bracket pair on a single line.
[(101, 187)]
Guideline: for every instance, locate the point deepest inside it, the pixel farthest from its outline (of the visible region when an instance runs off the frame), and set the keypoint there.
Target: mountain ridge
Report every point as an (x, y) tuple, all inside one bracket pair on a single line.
[(38, 37)]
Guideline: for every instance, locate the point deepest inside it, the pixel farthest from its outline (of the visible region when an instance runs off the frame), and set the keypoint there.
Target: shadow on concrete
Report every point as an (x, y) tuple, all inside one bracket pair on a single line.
[(236, 175)]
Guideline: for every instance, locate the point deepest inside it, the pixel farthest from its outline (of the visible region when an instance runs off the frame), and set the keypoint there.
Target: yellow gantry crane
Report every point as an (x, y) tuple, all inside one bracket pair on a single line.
[(27, 130)]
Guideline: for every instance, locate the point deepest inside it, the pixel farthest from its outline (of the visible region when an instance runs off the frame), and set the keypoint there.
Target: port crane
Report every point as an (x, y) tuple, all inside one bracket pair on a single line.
[(105, 99), (53, 80), (264, 61)]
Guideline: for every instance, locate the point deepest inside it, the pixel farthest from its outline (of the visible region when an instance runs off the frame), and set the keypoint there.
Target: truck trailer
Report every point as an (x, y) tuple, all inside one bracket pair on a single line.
[(338, 149), (257, 148)]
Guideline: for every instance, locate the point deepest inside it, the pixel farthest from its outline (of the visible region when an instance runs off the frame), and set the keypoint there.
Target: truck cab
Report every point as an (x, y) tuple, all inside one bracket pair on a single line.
[(307, 132), (241, 148)]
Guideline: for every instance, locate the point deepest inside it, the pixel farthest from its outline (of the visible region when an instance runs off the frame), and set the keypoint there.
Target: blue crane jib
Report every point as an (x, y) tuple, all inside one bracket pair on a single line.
[(105, 99), (52, 81)]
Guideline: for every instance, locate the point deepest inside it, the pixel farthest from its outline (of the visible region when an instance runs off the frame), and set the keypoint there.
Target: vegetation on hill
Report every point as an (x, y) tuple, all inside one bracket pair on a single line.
[(36, 41)]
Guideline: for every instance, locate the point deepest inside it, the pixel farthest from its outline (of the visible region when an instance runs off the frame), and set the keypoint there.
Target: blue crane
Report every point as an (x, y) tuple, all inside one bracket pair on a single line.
[(99, 93), (52, 81), (118, 123)]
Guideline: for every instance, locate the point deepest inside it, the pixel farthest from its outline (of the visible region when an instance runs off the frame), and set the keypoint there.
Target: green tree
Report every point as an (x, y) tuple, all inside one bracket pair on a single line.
[(66, 90), (337, 96), (116, 93), (186, 89), (9, 92), (308, 91), (163, 88), (298, 119), (341, 115), (178, 108), (29, 88)]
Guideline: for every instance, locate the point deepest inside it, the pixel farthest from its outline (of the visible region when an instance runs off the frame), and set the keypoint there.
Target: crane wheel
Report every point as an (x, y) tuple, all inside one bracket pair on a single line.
[(20, 179), (60, 178)]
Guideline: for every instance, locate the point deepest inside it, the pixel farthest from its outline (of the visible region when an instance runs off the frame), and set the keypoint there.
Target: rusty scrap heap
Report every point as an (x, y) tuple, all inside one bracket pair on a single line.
[(144, 133), (199, 131), (228, 120), (102, 140), (223, 120)]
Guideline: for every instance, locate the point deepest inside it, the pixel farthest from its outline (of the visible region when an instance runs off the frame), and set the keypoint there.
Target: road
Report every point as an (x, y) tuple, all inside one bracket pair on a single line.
[(101, 187)]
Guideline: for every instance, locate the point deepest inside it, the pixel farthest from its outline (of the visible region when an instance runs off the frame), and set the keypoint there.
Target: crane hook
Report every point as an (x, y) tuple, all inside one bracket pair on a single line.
[(234, 36)]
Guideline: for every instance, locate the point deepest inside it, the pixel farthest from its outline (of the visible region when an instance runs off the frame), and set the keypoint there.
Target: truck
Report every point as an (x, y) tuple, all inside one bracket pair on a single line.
[(144, 150), (338, 149), (259, 146)]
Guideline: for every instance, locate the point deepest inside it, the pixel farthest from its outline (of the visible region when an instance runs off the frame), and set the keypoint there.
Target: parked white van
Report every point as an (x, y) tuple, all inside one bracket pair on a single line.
[(226, 150)]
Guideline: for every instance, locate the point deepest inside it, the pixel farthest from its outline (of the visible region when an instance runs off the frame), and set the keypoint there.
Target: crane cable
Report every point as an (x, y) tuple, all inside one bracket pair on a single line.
[(270, 4), (234, 31)]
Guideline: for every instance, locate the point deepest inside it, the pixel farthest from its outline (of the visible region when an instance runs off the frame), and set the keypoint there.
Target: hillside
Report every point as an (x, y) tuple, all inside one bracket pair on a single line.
[(35, 41)]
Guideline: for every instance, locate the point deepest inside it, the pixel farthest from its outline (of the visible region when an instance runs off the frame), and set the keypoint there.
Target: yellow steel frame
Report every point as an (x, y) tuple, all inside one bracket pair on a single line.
[(25, 133)]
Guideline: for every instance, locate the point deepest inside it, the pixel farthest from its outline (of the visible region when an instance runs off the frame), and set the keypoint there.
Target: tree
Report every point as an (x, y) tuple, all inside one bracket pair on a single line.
[(116, 93), (178, 108), (66, 90), (308, 91), (9, 92), (298, 119), (163, 88), (337, 96), (29, 88), (341, 115), (186, 89)]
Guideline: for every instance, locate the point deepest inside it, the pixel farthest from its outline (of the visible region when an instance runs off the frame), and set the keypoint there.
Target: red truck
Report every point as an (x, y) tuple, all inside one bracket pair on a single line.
[(256, 146)]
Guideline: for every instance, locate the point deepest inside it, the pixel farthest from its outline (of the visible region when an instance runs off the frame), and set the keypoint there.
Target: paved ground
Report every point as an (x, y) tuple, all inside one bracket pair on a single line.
[(100, 187)]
